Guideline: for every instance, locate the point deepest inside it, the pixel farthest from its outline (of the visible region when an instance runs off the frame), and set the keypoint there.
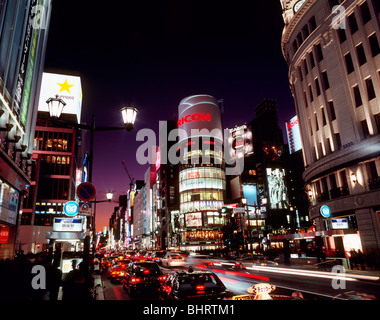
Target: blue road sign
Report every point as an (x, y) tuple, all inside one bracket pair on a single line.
[(86, 192), (325, 212), (71, 209)]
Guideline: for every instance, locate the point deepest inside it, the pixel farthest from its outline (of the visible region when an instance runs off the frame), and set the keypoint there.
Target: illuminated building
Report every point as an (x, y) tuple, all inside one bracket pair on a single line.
[(59, 163), (334, 64), (264, 180), (22, 53), (202, 179)]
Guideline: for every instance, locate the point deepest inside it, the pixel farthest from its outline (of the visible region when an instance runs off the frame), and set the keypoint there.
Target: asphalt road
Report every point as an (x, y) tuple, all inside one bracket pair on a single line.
[(313, 285)]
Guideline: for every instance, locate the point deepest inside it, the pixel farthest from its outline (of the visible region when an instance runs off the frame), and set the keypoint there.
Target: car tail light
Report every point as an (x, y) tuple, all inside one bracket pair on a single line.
[(162, 278), (170, 259), (146, 271), (200, 287), (135, 280)]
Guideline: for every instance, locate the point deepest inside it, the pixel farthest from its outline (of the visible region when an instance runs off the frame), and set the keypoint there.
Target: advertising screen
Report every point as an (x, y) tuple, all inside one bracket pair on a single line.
[(193, 220), (278, 193), (293, 134), (240, 142), (250, 192)]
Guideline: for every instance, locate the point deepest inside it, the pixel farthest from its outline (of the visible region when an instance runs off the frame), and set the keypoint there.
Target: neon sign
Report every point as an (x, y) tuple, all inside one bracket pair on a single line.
[(194, 117)]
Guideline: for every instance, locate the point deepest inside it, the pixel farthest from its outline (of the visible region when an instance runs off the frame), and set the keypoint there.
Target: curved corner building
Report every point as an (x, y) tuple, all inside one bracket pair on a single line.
[(333, 55), (202, 182)]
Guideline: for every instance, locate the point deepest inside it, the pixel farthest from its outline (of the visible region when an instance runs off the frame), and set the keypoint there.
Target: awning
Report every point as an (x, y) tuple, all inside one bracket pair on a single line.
[(65, 235)]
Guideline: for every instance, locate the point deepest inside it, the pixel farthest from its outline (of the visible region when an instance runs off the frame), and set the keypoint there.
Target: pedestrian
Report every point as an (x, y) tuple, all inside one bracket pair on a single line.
[(77, 284)]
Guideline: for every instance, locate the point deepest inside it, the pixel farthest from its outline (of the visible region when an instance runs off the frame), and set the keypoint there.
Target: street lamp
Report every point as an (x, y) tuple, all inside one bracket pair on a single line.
[(129, 117), (129, 114), (109, 196), (55, 106)]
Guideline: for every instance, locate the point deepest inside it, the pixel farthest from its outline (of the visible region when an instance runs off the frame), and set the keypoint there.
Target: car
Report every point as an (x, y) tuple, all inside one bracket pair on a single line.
[(194, 285), (141, 276), (158, 255), (116, 273), (172, 260)]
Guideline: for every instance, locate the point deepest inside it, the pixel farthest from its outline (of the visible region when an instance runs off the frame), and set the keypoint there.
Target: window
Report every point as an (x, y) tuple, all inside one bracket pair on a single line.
[(324, 122), (312, 24), (371, 170), (311, 93), (305, 67), (332, 111), (310, 127), (353, 24), (349, 64), (377, 119), (312, 62), (317, 87), (365, 128), (361, 54), (305, 97), (370, 89), (299, 38), (295, 46), (338, 141), (305, 31), (333, 3), (325, 81), (358, 98), (342, 35), (319, 53), (375, 49), (366, 15), (316, 122)]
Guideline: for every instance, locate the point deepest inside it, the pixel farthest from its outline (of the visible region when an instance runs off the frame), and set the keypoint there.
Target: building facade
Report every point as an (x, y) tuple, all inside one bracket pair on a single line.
[(202, 178), (333, 55), (23, 41)]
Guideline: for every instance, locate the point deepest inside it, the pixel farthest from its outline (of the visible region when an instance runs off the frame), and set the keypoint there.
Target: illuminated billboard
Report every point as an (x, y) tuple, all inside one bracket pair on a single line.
[(193, 220), (200, 116), (278, 192), (293, 134), (67, 88), (250, 193), (240, 142)]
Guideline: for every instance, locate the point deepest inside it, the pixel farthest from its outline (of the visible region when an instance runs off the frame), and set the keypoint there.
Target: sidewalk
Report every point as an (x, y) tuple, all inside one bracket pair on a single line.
[(98, 285)]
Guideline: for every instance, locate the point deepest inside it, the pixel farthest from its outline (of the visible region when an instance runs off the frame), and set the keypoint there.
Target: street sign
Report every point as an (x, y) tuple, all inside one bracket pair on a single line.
[(242, 210), (85, 209), (325, 212), (67, 225), (86, 192), (71, 209)]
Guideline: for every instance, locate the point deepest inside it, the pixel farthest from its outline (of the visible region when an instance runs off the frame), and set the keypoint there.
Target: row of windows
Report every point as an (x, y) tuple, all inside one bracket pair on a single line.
[(336, 184), (204, 195), (53, 141)]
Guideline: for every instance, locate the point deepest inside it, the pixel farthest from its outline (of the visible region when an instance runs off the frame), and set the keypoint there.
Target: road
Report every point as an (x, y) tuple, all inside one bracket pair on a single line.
[(313, 284)]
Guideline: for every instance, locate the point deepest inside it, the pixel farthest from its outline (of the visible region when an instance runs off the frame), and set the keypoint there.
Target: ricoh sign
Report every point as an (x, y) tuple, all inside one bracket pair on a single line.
[(199, 115)]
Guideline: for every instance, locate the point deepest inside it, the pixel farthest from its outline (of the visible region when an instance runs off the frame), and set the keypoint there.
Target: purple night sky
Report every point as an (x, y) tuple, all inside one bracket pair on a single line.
[(153, 54)]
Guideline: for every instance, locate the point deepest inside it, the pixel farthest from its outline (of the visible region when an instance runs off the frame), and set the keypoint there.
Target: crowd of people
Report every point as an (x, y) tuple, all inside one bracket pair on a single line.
[(19, 282)]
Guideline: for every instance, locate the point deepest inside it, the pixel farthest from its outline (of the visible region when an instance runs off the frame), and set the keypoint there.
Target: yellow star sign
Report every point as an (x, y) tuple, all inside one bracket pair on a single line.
[(65, 86)]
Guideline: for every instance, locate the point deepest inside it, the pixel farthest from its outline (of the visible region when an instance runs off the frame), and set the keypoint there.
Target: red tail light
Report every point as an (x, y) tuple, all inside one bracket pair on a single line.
[(135, 280), (162, 278), (200, 287), (146, 271), (170, 259)]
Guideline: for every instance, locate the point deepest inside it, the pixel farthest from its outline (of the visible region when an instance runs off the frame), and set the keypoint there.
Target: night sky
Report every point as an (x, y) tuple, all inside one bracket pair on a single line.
[(155, 53)]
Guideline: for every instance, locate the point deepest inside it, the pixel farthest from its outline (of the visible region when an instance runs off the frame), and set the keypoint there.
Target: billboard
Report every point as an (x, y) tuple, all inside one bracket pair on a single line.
[(240, 142), (250, 193), (293, 134), (197, 113), (67, 88), (278, 192), (193, 220)]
